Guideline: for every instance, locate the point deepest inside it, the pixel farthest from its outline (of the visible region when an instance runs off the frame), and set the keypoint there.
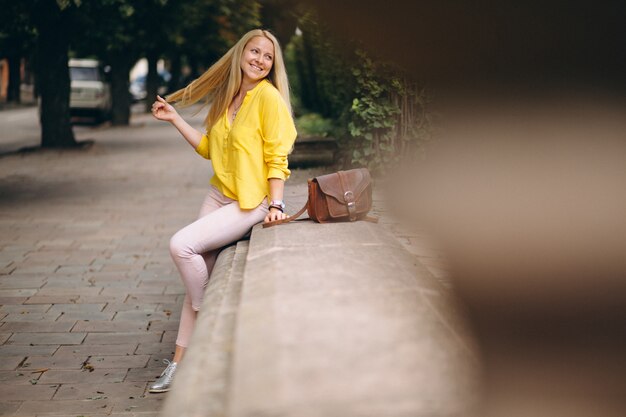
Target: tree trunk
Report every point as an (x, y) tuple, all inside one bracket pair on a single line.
[(176, 72), (15, 76), (152, 80), (121, 65), (53, 75), (309, 84)]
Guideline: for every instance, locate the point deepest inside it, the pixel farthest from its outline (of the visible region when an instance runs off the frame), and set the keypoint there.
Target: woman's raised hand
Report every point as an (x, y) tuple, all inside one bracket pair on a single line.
[(162, 110)]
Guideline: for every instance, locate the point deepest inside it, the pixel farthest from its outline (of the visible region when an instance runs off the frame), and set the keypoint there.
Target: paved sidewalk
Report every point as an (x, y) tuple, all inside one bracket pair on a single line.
[(89, 298)]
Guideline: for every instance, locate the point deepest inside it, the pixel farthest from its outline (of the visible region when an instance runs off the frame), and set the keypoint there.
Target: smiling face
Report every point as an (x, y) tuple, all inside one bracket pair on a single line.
[(257, 59)]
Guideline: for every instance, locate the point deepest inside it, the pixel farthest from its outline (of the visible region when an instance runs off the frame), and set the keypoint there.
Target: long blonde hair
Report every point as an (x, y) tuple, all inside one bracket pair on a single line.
[(219, 84)]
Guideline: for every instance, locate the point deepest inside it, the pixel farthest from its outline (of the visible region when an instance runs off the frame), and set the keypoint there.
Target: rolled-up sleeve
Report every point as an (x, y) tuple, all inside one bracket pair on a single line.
[(279, 135), (203, 147)]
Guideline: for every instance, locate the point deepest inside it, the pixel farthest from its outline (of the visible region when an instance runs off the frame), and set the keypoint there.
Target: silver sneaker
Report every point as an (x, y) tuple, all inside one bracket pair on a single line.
[(164, 382)]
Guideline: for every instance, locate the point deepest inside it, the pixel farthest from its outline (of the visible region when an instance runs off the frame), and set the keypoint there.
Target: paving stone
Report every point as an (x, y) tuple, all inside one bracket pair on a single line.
[(26, 269), (174, 290), (123, 268), (90, 350), (7, 268), (53, 362), (141, 315), (8, 363), (25, 308), (87, 315), (64, 407), (77, 308), (134, 291), (121, 337), (19, 292), (84, 291), (109, 277), (50, 299), (8, 408), (74, 269), (115, 307), (47, 255), (169, 336), (111, 326), (150, 299), (40, 326), (111, 391), (47, 338), (69, 284), (132, 361), (26, 350), (24, 281), (97, 299), (159, 325), (31, 317), (27, 392), (138, 405), (156, 361), (19, 377), (165, 349), (144, 374), (98, 375), (59, 243), (119, 284), (159, 283), (172, 308)]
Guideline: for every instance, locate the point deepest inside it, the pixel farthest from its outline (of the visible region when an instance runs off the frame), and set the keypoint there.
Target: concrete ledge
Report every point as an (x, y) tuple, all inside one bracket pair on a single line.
[(333, 320), (201, 383)]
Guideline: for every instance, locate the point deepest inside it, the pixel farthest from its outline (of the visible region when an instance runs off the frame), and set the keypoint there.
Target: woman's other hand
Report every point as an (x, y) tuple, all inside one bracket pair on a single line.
[(162, 110), (274, 214)]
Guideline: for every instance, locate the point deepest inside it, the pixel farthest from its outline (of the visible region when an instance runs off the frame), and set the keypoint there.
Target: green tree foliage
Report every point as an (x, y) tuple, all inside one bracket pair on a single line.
[(380, 114), (388, 120), (118, 32), (323, 81)]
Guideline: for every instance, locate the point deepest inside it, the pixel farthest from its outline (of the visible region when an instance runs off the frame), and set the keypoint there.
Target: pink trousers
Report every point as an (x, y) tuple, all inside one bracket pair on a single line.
[(195, 247)]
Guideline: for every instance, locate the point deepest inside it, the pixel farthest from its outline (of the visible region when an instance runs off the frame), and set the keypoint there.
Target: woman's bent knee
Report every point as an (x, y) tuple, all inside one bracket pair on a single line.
[(179, 248)]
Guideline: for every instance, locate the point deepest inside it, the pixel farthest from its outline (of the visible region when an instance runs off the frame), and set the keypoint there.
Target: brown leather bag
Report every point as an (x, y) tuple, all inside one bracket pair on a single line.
[(337, 197)]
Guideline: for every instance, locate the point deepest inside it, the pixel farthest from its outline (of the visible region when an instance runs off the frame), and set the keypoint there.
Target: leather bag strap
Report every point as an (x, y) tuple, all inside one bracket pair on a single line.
[(371, 219), (288, 219)]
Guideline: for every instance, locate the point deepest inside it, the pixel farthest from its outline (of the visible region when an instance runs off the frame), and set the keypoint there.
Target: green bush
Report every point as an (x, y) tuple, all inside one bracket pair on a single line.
[(313, 124), (373, 109)]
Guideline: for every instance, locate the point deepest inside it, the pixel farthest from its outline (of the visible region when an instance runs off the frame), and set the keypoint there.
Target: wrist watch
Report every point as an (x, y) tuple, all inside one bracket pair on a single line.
[(279, 204)]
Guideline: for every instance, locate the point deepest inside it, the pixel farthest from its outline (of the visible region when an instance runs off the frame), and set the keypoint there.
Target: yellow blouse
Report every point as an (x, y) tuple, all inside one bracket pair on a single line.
[(252, 150)]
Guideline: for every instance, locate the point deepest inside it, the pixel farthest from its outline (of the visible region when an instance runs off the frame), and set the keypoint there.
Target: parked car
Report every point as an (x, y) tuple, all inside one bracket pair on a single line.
[(138, 85), (91, 89)]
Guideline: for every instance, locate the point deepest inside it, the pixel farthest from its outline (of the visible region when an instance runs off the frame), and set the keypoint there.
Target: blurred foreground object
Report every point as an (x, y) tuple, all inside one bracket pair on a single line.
[(473, 44), (528, 198), (528, 194)]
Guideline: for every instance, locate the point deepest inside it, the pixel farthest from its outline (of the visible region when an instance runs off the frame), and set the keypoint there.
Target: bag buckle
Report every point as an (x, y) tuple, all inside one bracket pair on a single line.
[(348, 197)]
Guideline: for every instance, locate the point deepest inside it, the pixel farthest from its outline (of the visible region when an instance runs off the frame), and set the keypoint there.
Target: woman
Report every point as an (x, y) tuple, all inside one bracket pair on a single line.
[(250, 131)]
